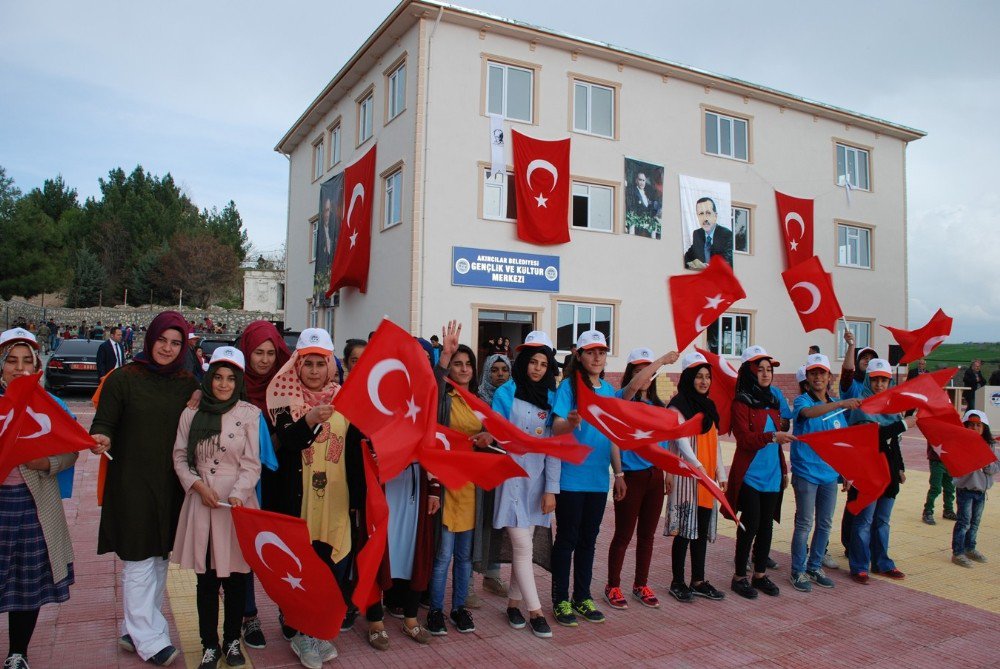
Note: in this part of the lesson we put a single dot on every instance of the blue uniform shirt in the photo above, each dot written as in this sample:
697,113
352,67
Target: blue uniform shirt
591,475
764,472
805,462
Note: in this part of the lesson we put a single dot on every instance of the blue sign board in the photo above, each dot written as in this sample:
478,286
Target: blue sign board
489,268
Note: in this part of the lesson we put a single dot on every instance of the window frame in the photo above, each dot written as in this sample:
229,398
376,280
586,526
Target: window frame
393,170
389,73
312,312
579,301
853,225
853,146
334,133
590,83
838,337
367,96
313,232
318,158
732,116
613,186
483,168
535,70
752,211
749,314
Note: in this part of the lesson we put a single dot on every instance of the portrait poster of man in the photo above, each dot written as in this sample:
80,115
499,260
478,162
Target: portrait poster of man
643,198
706,214
331,203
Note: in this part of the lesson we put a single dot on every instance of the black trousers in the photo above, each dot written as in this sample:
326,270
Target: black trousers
699,547
757,518
234,603
401,595
343,573
578,521
20,628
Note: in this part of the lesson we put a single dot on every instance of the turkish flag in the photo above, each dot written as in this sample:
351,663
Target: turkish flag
632,424
811,291
33,425
511,438
453,462
391,396
920,342
542,187
961,450
354,243
699,299
923,393
795,216
668,462
278,549
723,388
853,453
369,558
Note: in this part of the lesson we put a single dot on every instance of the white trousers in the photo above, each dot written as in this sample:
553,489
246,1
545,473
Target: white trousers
143,584
522,571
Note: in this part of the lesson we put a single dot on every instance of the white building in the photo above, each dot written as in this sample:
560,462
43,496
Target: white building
422,86
264,290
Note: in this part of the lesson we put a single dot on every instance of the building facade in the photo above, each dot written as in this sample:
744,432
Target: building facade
443,233
264,290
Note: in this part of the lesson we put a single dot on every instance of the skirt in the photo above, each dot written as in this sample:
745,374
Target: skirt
25,573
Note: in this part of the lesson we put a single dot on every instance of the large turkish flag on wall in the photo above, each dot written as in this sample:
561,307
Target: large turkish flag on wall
542,187
795,216
354,243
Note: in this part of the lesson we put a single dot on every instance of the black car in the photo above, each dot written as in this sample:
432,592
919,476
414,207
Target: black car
73,365
210,342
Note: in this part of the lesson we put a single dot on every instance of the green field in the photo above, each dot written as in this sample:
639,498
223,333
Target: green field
951,355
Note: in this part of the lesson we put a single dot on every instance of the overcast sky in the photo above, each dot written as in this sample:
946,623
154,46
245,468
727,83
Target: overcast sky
204,90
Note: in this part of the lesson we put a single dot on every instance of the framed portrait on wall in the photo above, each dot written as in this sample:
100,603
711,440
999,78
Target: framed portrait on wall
643,199
706,213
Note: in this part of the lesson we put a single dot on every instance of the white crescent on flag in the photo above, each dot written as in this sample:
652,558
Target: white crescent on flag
539,164
6,421
842,444
270,538
598,413
44,424
380,369
916,396
359,191
932,343
793,216
440,436
813,291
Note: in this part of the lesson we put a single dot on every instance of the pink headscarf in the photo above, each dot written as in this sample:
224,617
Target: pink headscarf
287,393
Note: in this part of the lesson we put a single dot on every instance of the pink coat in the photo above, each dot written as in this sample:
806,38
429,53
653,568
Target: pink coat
232,472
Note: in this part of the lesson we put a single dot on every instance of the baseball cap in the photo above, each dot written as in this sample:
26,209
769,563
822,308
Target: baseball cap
535,339
640,356
591,339
879,367
228,354
800,374
817,360
693,359
18,334
866,349
755,353
975,415
194,335
314,341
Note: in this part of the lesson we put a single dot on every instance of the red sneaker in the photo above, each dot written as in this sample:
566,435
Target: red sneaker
615,597
646,595
893,574
861,577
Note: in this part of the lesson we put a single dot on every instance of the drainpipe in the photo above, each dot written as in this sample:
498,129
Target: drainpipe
423,213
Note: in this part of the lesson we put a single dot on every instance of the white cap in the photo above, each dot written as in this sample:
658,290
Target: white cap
314,340
976,413
640,355
194,335
536,338
19,334
591,339
228,354
755,353
800,374
879,367
817,360
692,359
866,349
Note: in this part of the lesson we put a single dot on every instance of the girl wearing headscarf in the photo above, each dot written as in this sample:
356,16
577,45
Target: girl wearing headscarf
136,420
265,352
217,457
524,505
870,530
36,555
692,512
759,473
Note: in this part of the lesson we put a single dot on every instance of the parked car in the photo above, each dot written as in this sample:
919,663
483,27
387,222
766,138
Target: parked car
210,342
73,365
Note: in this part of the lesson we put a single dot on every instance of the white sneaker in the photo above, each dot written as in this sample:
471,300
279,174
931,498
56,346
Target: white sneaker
325,649
304,648
829,562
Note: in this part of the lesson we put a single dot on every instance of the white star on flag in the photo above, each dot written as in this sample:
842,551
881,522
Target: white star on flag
794,245
354,237
412,409
641,434
541,199
939,449
713,302
296,583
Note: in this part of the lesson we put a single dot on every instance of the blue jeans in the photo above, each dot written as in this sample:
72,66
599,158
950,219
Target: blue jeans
812,500
969,507
870,537
459,546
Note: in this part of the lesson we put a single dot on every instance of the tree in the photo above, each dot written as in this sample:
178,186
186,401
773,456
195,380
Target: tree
227,227
9,195
54,198
200,265
88,279
32,257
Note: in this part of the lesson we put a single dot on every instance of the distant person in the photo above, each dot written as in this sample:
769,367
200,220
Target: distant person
917,370
42,334
710,239
974,380
110,354
639,200
971,493
436,343
568,359
814,349
82,332
995,378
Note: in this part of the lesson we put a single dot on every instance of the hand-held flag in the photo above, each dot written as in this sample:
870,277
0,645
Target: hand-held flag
369,558
697,300
854,454
723,388
810,288
961,450
920,342
923,393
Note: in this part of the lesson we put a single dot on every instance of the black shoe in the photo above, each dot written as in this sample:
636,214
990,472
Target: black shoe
771,564
765,585
16,661
540,627
253,635
681,592
435,623
706,590
125,643
165,656
395,611
210,658
949,515
287,632
742,587
234,654
462,620
349,618
515,619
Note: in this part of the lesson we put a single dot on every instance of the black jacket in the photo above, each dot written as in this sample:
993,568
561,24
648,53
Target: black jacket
106,360
722,245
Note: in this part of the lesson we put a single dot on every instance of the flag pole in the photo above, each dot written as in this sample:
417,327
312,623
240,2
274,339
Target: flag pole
108,455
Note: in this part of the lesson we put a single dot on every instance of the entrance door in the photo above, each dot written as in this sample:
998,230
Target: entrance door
495,325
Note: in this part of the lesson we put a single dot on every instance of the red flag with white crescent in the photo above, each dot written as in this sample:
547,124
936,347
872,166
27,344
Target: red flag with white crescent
668,462
853,453
961,450
795,216
811,291
354,243
924,393
369,559
723,388
920,342
542,188
697,300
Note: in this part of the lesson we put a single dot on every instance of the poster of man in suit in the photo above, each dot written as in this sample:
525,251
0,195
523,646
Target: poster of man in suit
331,202
705,206
643,198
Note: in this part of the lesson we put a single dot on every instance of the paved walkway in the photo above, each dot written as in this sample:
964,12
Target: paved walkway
940,616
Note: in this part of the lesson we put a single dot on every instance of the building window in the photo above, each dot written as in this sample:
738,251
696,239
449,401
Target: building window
499,203
726,136
741,229
366,112
318,165
852,166
593,109
313,231
729,335
397,91
328,319
393,200
509,91
335,145
854,246
593,206
313,313
281,296
862,331
575,318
